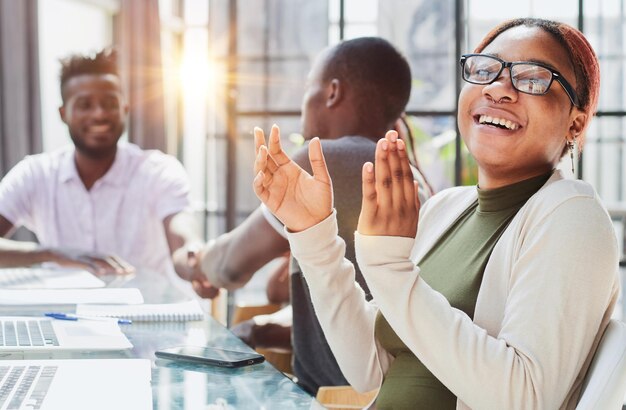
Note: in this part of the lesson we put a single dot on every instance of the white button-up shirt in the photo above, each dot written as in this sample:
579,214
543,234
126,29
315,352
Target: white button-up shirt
121,214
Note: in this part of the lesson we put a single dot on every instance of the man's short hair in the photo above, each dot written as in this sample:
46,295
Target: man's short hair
103,62
377,73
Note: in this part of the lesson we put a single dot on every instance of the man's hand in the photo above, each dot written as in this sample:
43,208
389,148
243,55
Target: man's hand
390,205
187,266
99,264
298,199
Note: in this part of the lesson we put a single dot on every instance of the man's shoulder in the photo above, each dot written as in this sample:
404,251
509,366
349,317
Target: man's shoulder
161,174
348,152
151,160
53,156
348,143
344,156
45,163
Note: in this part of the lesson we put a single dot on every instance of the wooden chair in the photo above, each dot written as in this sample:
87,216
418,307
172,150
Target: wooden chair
219,306
279,358
245,312
344,397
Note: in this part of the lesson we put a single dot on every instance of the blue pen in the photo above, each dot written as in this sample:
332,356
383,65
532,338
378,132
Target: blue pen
71,316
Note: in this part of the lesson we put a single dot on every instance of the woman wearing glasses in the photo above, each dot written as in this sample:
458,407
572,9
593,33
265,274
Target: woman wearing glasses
499,298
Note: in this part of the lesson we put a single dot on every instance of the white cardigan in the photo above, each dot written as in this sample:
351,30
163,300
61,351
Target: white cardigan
547,293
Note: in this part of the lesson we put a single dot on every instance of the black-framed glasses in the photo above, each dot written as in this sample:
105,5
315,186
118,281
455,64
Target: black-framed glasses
526,76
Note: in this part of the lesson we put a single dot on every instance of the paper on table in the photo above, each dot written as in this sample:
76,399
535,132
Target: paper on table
164,312
48,278
129,296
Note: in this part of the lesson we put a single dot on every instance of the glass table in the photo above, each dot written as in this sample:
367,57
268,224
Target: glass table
178,385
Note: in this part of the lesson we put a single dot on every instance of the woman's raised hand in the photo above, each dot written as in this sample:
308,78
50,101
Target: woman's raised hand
298,199
390,206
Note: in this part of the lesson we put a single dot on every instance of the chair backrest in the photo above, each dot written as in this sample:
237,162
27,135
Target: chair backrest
605,384
245,312
344,397
279,358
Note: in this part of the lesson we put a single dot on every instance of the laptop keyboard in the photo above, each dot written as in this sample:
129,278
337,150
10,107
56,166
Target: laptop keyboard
20,333
18,381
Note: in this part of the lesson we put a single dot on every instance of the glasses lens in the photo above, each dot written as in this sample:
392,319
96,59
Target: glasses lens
530,78
481,69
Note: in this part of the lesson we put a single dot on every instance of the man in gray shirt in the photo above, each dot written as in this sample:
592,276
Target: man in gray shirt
355,92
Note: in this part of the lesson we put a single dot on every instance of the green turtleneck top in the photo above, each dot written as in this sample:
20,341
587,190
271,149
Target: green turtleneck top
454,267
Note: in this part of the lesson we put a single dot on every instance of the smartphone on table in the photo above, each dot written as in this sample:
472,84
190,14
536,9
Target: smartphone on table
210,355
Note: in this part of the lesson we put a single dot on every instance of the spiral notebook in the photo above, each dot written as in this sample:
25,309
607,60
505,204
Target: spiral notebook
164,312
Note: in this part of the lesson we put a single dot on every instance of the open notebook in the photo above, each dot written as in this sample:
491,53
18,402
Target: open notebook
164,312
63,384
37,302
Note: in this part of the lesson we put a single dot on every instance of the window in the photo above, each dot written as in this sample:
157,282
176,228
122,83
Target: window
67,27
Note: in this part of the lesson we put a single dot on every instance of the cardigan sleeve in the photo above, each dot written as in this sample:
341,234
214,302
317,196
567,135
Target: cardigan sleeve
345,316
561,285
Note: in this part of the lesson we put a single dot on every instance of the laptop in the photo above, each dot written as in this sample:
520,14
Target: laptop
21,335
62,384
48,278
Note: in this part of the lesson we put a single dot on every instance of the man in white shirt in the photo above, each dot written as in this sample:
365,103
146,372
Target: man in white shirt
101,205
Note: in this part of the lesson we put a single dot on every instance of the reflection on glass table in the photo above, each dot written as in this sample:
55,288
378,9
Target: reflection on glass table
179,385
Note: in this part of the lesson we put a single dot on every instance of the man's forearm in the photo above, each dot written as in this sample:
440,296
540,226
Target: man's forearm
17,253
232,259
181,230
226,268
